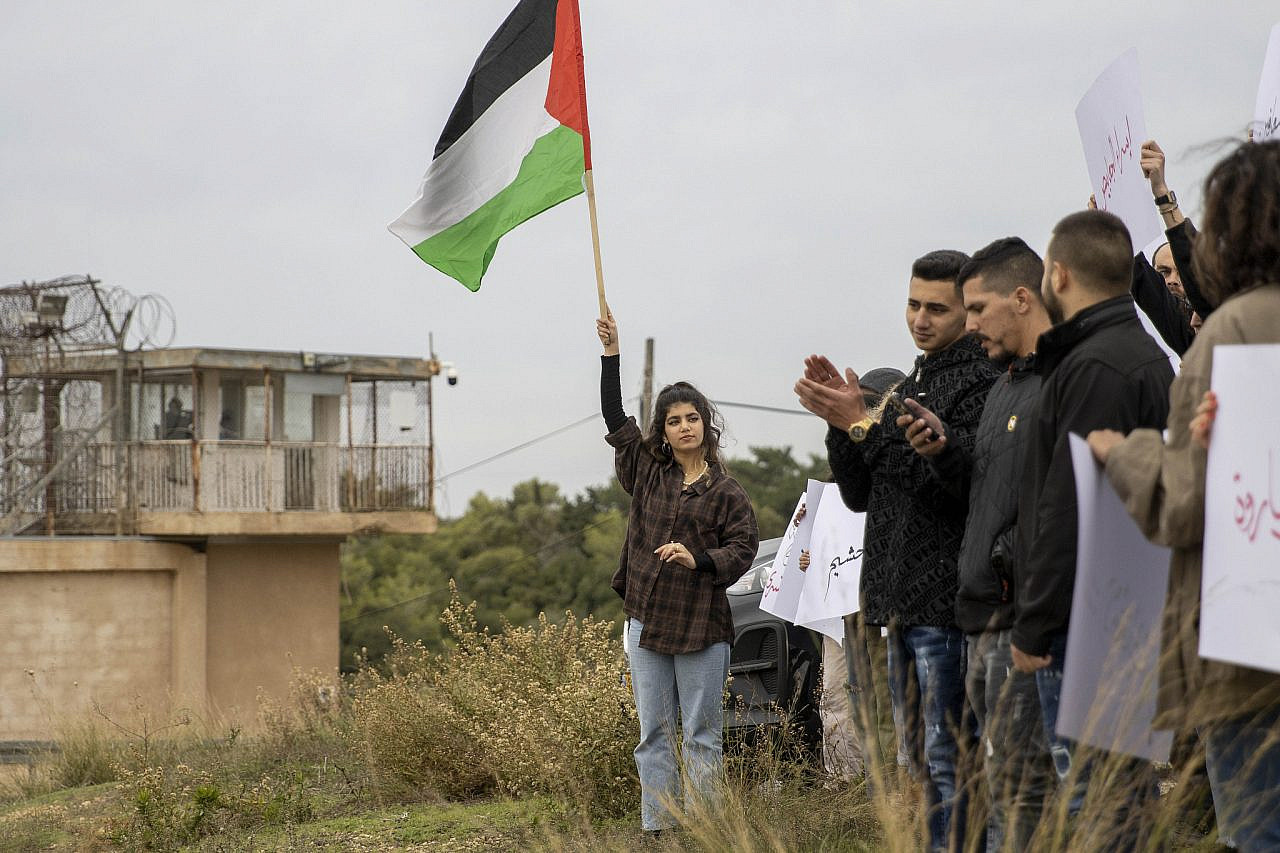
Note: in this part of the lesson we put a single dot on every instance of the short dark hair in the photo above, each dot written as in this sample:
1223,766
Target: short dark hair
1239,242
1096,247
1005,265
939,265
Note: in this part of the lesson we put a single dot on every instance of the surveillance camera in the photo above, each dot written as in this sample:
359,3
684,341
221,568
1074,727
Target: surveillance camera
451,373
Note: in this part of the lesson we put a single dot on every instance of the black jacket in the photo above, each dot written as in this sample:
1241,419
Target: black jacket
1100,370
1169,314
990,475
1181,237
915,520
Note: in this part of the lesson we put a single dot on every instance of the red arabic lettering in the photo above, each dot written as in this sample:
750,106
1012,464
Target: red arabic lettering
1120,150
1250,513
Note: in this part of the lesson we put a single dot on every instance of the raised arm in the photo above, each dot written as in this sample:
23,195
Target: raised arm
631,461
610,382
1177,228
1162,306
1152,163
1181,237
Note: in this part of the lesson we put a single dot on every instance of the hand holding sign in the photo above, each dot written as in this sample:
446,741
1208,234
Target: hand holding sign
786,581
1201,425
1113,644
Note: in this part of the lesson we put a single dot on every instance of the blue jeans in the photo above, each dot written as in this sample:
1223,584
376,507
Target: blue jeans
693,684
933,705
1062,749
1020,774
1242,756
1132,782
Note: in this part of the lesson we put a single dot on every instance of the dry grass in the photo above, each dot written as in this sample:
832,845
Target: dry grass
514,741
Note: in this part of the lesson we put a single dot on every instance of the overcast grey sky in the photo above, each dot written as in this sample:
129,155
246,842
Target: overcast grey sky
766,173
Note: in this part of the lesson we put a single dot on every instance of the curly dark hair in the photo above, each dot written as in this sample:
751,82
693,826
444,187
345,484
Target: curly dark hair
712,422
1238,247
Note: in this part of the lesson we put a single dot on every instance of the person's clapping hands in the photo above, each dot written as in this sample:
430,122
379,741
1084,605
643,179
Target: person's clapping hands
836,399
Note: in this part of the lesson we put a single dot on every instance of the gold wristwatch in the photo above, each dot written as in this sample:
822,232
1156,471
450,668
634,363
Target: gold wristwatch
859,429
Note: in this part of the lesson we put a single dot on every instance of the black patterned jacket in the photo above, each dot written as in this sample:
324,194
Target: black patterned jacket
915,519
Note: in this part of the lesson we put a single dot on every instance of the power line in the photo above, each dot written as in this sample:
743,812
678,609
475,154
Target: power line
518,447
758,408
376,610
523,445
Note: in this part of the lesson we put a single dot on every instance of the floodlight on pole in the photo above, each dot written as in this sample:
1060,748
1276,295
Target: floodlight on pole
50,309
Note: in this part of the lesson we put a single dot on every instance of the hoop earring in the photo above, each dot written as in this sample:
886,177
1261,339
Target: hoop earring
666,447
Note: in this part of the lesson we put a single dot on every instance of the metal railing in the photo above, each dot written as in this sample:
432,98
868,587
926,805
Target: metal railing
229,476
254,476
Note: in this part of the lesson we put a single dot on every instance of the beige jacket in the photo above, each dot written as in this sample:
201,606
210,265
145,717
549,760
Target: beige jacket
1162,486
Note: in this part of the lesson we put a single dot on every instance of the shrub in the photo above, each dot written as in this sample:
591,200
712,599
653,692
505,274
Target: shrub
537,709
165,808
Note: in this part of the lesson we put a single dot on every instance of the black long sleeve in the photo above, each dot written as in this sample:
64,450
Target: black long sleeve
1180,238
1164,309
611,393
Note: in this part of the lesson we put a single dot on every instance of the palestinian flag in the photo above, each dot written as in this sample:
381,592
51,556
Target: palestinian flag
515,144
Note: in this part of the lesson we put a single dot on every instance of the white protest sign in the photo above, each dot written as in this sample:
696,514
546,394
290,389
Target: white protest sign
835,567
1112,130
1240,593
1266,111
1113,643
785,582
770,599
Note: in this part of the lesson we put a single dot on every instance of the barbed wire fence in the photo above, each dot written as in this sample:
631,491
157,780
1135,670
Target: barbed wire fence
57,454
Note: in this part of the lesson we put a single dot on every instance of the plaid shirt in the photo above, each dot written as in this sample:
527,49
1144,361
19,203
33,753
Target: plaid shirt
683,610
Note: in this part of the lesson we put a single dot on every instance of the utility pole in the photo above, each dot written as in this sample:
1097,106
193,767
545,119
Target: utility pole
646,394
431,426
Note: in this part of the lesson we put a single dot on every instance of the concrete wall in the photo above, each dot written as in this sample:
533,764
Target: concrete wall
135,624
271,608
114,622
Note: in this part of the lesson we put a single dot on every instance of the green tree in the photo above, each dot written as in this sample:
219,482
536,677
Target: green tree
536,552
774,480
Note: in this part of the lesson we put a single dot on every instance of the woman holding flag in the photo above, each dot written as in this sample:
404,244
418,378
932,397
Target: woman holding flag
691,532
